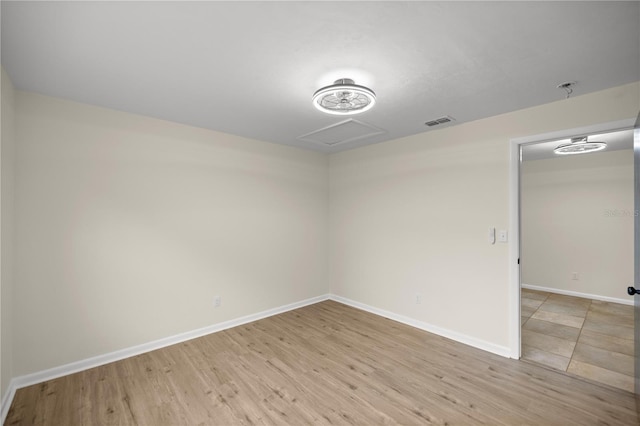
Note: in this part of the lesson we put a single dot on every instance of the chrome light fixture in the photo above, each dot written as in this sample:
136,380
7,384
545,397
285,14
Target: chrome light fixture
579,146
344,97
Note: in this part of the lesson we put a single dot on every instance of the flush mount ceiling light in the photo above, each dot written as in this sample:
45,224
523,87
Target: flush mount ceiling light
579,146
344,97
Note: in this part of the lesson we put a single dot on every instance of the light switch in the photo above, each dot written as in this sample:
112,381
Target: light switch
503,236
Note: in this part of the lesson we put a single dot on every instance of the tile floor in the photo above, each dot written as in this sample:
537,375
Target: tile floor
585,337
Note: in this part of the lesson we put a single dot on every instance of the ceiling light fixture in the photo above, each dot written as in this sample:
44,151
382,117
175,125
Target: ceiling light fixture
344,97
579,146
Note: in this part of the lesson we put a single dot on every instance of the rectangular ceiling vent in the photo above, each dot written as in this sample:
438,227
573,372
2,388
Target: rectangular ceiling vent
438,121
342,132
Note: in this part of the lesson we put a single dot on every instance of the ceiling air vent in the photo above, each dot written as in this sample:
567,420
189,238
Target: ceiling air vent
439,121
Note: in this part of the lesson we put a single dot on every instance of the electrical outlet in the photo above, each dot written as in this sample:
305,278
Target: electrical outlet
217,301
418,299
575,276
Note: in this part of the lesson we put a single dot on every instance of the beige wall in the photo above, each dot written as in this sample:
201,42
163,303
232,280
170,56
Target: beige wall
577,216
127,227
6,233
411,215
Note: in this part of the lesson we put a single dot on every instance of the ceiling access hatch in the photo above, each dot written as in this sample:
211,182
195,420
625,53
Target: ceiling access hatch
342,132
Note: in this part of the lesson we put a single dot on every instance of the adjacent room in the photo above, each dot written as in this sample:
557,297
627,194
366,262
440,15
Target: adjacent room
276,212
577,254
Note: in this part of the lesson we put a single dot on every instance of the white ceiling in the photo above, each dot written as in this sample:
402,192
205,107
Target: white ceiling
250,68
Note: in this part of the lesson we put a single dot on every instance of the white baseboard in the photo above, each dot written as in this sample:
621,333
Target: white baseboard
85,364
628,301
453,335
7,400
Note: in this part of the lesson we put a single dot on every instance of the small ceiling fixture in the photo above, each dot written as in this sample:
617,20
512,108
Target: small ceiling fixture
567,86
344,97
579,146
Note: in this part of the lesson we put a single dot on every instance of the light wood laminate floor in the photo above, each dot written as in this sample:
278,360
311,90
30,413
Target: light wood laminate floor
588,338
324,364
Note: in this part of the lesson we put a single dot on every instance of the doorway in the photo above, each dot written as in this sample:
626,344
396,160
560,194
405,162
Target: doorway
570,229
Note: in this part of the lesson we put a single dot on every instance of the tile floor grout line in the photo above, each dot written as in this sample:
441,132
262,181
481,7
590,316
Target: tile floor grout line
579,334
534,312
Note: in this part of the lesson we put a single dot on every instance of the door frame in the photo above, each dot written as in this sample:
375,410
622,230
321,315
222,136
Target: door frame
514,212
636,259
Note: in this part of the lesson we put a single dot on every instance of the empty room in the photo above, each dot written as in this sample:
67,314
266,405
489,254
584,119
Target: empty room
236,213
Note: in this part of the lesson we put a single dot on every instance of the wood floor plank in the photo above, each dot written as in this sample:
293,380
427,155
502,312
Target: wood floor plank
322,364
